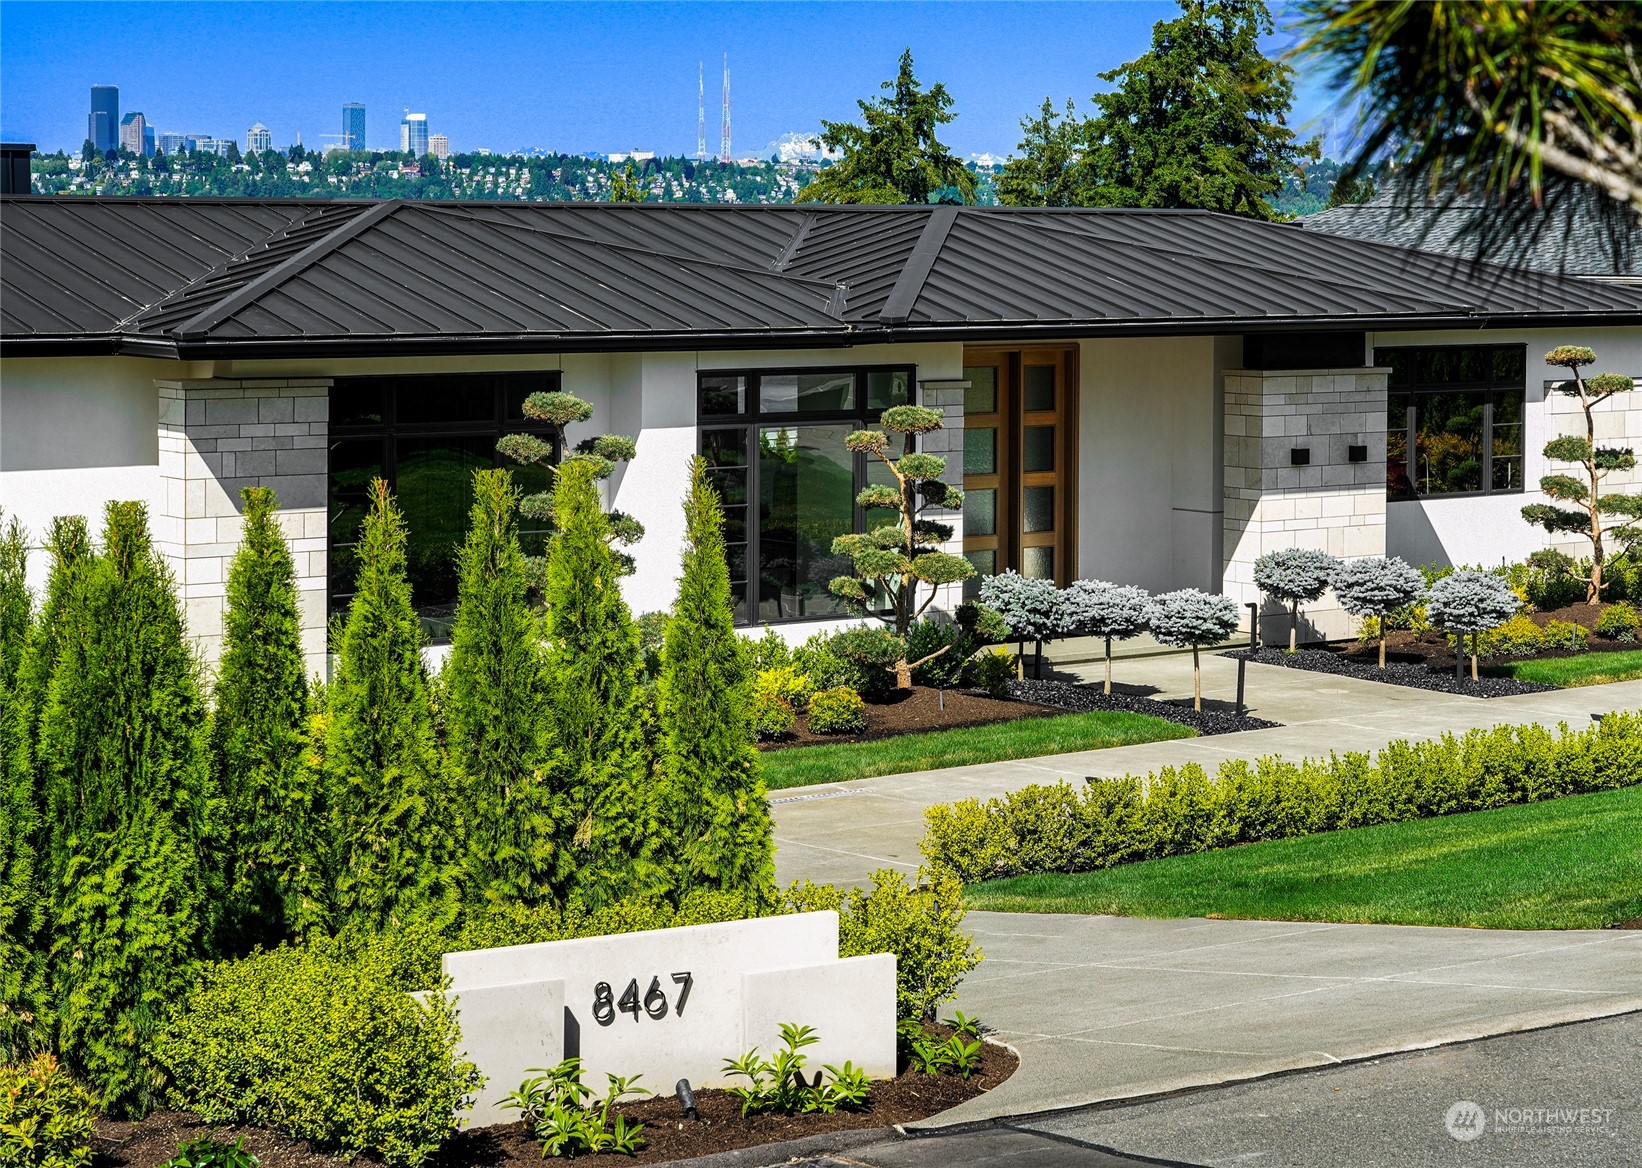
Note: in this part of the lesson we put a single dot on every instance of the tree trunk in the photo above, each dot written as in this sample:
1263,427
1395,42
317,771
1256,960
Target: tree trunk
1020,661
1294,624
1197,683
1459,657
1037,661
1474,637
903,674
1108,665
1382,644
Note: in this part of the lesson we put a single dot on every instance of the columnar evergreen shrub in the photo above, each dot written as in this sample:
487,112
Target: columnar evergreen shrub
122,751
1376,587
388,805
1469,603
1293,576
1030,607
1190,617
493,686
1174,811
595,708
258,735
1098,608
16,606
714,813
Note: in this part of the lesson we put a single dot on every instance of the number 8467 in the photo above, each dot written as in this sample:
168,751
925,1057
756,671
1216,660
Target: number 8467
654,1002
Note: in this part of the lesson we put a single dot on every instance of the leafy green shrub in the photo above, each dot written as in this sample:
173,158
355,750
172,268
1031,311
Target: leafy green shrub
1175,811
929,1054
777,1084
1618,622
873,653
1517,637
837,711
773,716
929,638
769,651
1567,636
209,1152
921,924
1549,579
786,683
558,1110
992,671
320,1043
819,661
45,1116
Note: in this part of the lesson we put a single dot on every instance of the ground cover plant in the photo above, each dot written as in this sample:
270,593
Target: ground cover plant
1565,672
562,1114
1568,863
778,1084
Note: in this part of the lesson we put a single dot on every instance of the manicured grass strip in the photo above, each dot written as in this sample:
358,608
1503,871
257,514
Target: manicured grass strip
801,766
1561,864
1585,669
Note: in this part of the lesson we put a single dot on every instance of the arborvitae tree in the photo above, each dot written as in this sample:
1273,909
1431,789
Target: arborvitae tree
16,608
595,707
389,819
122,749
714,813
493,689
258,734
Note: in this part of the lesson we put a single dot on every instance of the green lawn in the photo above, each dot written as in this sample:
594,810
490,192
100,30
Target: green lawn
1585,669
1562,864
801,766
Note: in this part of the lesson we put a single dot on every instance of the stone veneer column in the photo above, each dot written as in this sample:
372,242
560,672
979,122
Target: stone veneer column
948,443
1332,504
217,436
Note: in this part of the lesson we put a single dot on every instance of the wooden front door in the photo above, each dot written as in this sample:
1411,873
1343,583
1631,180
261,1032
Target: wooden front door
1020,458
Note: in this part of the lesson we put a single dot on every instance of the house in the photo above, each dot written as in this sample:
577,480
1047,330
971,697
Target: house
1152,397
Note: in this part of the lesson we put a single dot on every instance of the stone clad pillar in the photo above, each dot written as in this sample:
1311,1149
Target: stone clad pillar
217,436
1334,501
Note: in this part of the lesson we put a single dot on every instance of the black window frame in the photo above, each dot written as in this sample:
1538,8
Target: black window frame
1409,393
390,431
751,419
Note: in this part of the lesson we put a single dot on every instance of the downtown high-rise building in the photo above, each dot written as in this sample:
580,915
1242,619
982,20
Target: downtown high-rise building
131,133
413,134
439,146
353,126
258,138
103,125
172,142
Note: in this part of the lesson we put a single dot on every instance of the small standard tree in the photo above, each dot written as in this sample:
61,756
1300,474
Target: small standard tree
1294,576
1578,504
1031,608
1098,608
1377,587
1469,604
258,734
599,453
1190,617
714,812
894,562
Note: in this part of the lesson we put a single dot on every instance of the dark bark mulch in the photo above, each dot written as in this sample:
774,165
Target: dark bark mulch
668,1135
1214,718
918,710
1633,923
1365,667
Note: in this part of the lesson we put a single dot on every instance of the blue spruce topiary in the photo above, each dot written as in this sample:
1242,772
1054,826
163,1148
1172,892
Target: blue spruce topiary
1377,587
1293,575
1190,617
1470,602
1098,608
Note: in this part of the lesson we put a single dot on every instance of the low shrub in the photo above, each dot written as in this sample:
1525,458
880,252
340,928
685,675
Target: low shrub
1567,636
837,711
210,1152
777,1083
1618,622
1549,580
773,717
927,1053
561,1114
790,685
873,653
818,661
1057,828
991,671
321,1043
1517,637
928,638
45,1116
767,652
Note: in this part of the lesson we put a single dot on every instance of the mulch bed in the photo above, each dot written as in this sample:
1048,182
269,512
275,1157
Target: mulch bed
1214,718
1633,923
918,710
668,1135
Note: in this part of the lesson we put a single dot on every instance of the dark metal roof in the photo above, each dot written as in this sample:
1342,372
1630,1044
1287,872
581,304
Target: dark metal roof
203,278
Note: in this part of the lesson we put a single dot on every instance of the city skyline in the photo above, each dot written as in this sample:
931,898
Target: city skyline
998,61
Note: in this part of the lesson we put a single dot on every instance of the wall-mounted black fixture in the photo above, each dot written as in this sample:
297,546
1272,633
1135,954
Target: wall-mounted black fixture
1356,454
1300,456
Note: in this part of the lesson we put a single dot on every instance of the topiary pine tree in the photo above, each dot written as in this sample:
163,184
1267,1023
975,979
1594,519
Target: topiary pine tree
1030,607
1190,617
122,747
893,561
493,689
1585,502
1293,575
1470,602
258,734
595,707
714,812
1377,587
1096,608
390,849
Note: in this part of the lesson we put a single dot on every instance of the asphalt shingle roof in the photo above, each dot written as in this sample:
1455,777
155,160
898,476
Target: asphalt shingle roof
201,278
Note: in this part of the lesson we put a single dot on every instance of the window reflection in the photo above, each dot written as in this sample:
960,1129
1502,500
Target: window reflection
1454,419
806,499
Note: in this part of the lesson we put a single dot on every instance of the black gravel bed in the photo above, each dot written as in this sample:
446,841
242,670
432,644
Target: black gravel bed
1414,675
1083,699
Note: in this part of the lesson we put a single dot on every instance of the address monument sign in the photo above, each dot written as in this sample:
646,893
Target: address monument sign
670,1004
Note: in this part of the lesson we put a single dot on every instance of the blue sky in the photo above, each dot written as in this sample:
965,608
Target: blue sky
562,76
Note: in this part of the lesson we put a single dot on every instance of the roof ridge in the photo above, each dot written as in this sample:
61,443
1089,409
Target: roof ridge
910,283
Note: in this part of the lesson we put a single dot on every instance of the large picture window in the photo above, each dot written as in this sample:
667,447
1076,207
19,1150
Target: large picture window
1454,424
774,440
425,434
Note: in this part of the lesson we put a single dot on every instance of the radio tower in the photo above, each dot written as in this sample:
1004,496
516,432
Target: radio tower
724,134
701,114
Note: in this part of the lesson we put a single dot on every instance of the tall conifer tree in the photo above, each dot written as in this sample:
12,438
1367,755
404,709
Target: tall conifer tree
16,608
258,733
122,750
715,815
390,826
595,707
493,699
